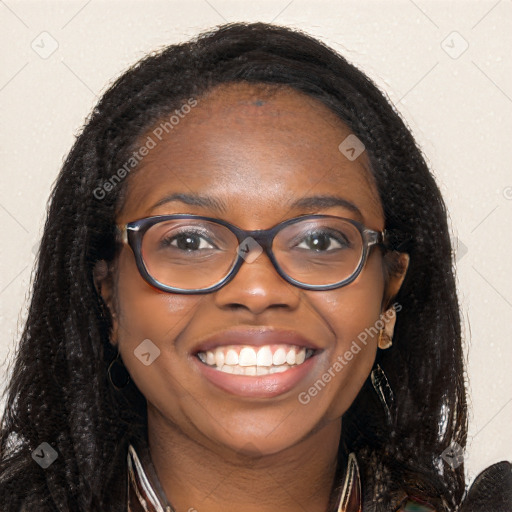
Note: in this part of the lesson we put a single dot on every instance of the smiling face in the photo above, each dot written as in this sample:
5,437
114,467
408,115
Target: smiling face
255,159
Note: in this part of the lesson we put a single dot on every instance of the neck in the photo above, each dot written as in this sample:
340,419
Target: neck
195,477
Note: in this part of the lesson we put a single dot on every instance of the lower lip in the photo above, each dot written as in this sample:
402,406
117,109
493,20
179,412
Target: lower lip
260,386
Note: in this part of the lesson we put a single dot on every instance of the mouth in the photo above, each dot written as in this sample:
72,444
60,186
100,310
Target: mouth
253,361
256,362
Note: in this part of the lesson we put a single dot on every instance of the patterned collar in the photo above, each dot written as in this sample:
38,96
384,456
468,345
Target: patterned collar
145,493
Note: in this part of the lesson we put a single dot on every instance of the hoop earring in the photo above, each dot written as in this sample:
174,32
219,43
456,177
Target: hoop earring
118,374
381,386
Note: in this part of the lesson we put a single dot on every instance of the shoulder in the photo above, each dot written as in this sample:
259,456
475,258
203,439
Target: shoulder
491,490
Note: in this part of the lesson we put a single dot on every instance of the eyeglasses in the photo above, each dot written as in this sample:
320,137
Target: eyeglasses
191,254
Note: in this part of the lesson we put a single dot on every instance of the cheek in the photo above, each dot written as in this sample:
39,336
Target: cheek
355,307
352,313
144,310
149,322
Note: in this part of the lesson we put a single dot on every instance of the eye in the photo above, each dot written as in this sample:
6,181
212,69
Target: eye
322,241
187,241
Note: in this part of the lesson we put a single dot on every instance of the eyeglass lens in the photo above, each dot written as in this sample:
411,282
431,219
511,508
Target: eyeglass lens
195,254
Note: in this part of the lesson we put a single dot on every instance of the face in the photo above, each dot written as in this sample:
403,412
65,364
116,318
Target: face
254,155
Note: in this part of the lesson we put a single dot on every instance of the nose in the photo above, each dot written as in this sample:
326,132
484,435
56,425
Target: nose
257,286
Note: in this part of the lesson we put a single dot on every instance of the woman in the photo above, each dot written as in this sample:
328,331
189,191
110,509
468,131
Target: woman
244,299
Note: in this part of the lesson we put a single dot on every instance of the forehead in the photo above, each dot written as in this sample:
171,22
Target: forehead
256,151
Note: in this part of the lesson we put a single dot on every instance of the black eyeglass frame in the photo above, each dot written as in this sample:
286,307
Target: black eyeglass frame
133,232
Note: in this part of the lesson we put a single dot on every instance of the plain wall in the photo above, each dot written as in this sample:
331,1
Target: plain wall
456,100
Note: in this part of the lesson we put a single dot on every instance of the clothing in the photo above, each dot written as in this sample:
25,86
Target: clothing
145,492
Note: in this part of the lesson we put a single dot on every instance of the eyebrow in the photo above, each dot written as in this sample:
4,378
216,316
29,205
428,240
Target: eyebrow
326,202
309,203
193,200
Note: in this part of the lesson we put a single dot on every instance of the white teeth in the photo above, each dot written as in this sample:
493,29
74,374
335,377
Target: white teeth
279,357
290,357
231,357
253,370
247,357
219,358
248,360
279,369
264,357
250,370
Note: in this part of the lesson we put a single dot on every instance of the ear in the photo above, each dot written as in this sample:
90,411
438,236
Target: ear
104,283
397,264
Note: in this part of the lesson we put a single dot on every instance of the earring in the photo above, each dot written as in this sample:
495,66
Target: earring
350,498
381,386
118,374
385,341
386,333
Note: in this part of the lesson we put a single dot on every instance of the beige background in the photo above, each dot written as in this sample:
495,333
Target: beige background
457,101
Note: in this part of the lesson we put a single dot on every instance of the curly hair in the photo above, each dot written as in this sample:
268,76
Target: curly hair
59,392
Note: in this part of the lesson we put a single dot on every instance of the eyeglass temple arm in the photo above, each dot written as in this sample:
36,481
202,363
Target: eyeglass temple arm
396,240
122,232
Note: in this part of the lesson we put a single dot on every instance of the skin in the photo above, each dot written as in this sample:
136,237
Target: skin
255,153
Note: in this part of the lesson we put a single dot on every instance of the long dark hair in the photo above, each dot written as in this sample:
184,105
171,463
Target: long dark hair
59,392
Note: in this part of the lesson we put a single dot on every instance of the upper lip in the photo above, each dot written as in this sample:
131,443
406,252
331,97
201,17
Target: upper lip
255,337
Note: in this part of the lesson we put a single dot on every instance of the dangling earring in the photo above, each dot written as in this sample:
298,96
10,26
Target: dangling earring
386,333
381,386
350,499
118,374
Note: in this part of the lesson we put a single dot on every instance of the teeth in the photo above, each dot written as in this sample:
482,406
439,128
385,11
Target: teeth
219,358
210,357
253,370
231,357
247,357
279,369
264,357
279,357
250,370
248,360
238,370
